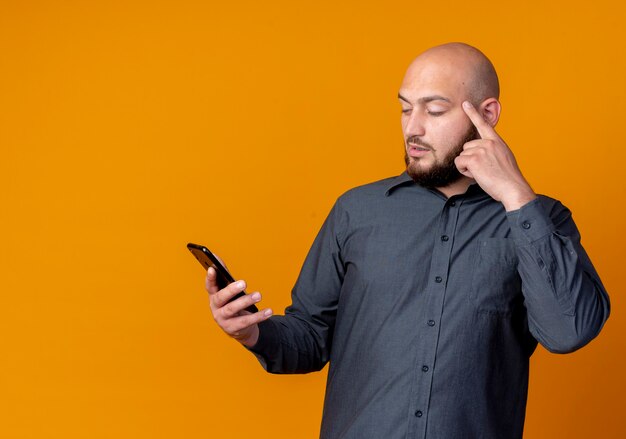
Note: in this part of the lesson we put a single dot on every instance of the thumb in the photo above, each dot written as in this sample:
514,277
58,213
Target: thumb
210,281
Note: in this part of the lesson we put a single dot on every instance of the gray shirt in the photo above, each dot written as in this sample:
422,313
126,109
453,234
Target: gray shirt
428,309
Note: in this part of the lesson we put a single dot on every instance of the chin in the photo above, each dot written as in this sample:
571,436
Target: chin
417,167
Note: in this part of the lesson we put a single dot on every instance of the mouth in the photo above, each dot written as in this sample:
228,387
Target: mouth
417,150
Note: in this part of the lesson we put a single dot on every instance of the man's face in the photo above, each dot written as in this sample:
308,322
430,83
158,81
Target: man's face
434,125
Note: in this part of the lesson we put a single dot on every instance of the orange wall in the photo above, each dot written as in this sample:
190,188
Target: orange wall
128,128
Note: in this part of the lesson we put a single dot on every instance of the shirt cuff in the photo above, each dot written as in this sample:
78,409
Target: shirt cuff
530,222
266,345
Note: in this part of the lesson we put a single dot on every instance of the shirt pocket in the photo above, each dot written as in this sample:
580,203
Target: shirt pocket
496,284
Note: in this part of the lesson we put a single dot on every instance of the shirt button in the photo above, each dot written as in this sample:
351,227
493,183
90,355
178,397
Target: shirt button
418,414
424,368
526,225
431,323
444,238
438,279
453,203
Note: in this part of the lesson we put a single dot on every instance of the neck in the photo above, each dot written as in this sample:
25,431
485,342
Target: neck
457,188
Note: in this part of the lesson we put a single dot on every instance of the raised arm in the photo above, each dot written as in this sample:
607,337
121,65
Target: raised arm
566,301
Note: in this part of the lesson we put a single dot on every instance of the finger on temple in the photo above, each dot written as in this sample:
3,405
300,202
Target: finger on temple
484,129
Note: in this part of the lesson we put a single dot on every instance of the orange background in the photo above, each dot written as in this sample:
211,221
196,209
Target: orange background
128,129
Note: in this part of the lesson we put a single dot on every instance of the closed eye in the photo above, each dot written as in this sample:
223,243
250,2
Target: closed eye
435,113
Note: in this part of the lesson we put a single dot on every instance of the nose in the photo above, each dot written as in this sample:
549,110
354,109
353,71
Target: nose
412,124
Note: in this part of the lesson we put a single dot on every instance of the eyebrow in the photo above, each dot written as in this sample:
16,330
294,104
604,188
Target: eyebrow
425,99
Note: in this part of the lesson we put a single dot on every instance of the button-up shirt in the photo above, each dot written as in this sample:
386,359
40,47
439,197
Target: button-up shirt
429,308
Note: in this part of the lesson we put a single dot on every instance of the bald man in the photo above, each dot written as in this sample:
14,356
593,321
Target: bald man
428,292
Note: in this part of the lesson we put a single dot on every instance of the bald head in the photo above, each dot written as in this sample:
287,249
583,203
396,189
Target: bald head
464,67
436,128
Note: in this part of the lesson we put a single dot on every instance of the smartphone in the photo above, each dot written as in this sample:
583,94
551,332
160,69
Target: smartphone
208,259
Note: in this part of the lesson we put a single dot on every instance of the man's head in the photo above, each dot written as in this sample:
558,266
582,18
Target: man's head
434,125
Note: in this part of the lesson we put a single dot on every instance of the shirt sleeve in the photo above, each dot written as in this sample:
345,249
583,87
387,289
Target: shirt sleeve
566,302
300,341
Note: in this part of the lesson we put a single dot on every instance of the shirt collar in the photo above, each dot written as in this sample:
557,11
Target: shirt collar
401,179
474,190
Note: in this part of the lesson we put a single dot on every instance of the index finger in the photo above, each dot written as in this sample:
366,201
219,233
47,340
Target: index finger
485,130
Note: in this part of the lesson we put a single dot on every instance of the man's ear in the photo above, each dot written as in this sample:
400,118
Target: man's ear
490,109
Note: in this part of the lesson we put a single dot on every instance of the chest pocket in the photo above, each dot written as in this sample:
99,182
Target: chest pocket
496,285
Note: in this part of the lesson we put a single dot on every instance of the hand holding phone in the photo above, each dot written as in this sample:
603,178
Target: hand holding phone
223,276
233,310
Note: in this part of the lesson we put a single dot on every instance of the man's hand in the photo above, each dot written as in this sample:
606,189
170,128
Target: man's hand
232,317
491,163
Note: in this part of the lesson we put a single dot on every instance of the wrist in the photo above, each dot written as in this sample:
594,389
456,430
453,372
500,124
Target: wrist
518,199
252,338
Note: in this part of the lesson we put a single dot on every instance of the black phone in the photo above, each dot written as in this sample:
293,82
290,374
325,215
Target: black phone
208,259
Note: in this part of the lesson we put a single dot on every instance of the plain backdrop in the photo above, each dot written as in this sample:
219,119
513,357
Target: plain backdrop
129,128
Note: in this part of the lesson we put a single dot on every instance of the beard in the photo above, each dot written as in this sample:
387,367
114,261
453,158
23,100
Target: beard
443,172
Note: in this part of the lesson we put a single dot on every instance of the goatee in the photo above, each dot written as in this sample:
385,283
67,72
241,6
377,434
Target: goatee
443,172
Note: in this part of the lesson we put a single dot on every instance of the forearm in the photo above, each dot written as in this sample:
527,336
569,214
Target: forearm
300,341
566,302
287,344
